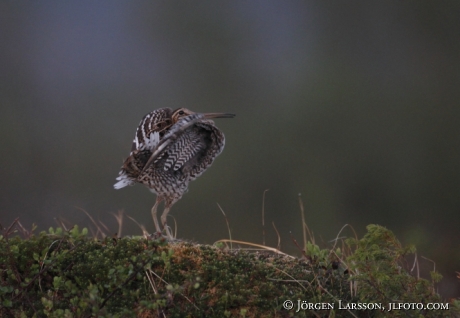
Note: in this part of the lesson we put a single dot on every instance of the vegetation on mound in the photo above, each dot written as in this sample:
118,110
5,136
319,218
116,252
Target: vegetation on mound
69,274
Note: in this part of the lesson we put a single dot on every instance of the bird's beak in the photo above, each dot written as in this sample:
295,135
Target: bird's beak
218,115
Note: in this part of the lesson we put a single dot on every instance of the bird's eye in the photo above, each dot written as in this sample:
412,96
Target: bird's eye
181,112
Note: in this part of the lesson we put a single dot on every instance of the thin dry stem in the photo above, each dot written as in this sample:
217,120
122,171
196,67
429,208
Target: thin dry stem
337,237
175,226
104,226
151,281
144,231
263,216
61,223
262,247
228,226
434,270
278,234
161,278
119,218
99,230
304,225
416,266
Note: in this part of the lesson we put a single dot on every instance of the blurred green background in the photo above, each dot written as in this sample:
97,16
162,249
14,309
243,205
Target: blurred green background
353,104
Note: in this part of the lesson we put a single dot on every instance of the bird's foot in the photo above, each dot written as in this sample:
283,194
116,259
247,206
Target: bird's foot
156,235
159,235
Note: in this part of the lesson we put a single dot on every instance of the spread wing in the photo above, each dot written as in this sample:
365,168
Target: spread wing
188,145
215,142
195,150
172,135
191,144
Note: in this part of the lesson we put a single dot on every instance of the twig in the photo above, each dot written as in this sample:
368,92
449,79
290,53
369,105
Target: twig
228,226
119,218
99,230
278,234
263,216
256,245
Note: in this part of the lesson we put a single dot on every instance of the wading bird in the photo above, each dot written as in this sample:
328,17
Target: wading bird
170,149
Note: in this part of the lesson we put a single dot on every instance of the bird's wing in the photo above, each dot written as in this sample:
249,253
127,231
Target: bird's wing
173,134
188,145
215,142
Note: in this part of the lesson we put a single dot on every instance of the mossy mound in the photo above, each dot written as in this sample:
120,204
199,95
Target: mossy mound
69,274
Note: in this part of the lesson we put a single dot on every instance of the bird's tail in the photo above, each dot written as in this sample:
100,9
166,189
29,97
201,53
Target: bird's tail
123,180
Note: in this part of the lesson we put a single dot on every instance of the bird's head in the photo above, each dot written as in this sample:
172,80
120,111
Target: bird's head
184,112
180,113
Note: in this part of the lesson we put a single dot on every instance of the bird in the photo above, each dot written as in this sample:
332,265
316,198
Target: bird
170,149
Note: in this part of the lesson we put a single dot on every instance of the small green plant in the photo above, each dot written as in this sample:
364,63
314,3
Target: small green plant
380,274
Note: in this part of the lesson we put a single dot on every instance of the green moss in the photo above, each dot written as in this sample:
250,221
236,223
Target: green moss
68,274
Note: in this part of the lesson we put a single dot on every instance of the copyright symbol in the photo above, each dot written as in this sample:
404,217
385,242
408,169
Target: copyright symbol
288,304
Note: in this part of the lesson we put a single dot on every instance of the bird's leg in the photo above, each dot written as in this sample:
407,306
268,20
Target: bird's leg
154,213
168,205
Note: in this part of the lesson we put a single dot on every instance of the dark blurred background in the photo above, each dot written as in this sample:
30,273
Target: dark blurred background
353,104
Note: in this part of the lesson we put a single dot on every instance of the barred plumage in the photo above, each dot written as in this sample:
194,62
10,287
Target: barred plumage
170,149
